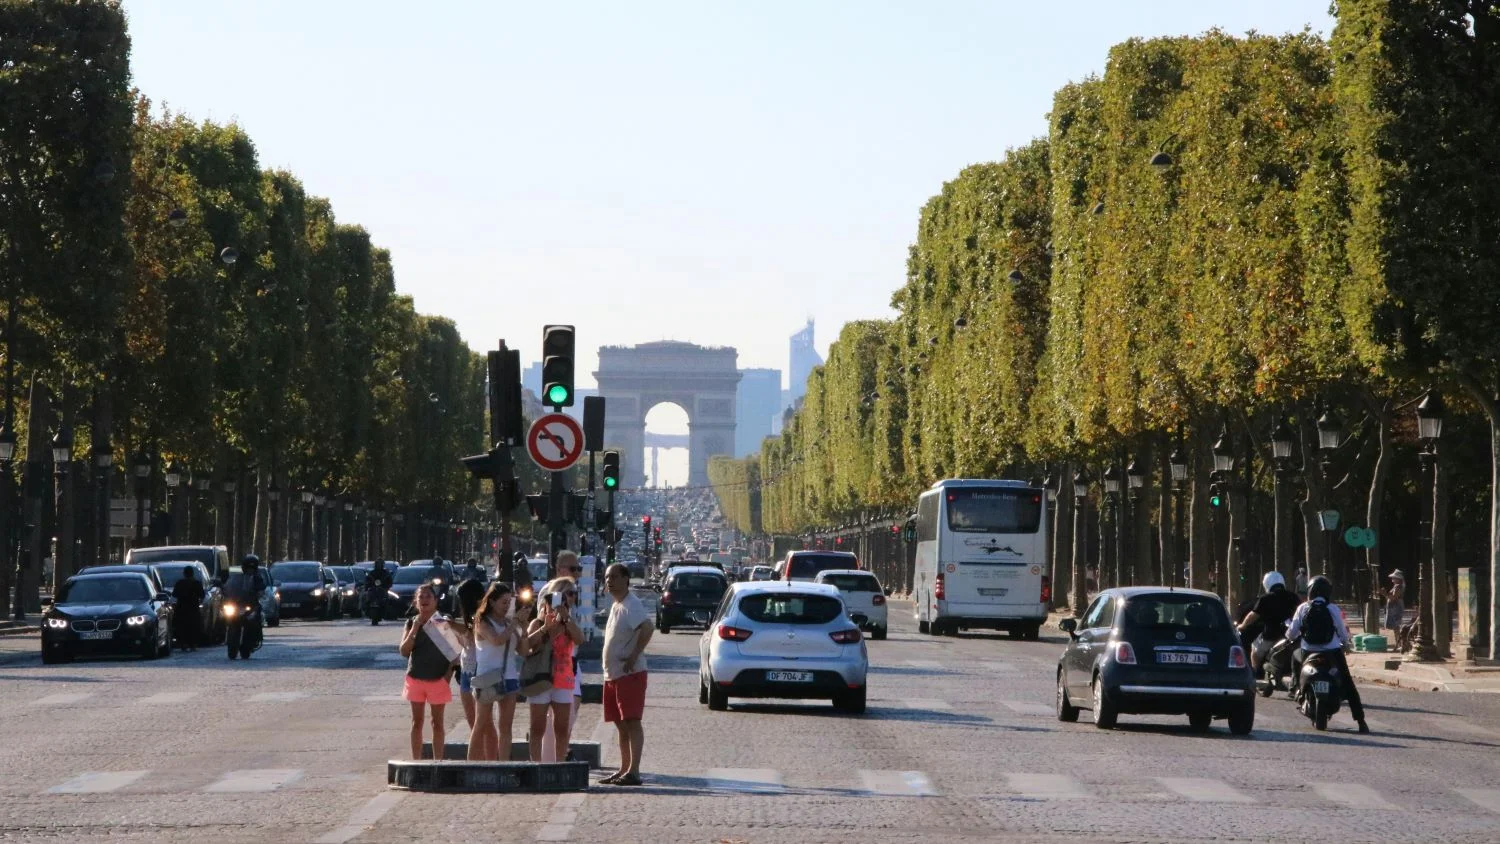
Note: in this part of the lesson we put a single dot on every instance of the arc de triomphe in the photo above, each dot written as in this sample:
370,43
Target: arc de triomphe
700,380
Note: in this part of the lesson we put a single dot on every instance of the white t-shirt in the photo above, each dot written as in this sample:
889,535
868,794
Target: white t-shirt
489,654
621,634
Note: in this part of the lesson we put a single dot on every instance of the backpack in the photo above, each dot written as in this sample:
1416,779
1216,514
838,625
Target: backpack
1317,627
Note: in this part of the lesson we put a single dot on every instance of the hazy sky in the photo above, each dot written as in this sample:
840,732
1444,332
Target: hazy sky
705,171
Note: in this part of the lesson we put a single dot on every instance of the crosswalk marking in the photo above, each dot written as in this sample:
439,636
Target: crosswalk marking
1351,794
1484,798
97,782
917,703
1046,786
364,816
277,697
746,780
1027,708
1204,790
897,783
168,697
255,779
62,699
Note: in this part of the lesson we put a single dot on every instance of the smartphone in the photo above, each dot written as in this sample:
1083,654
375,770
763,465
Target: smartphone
555,599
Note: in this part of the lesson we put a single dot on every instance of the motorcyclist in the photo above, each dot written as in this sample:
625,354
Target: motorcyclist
472,571
1265,624
1319,601
379,577
245,587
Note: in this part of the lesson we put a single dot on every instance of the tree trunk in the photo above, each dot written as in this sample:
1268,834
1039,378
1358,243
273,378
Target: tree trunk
1144,569
1080,558
1382,411
27,598
1062,541
1169,568
1442,622
1316,499
1489,402
1200,520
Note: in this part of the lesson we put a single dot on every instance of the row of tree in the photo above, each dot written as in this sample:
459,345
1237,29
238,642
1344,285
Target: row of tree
1218,234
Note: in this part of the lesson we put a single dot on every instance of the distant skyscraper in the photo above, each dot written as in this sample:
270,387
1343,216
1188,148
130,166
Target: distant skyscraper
804,358
757,404
531,379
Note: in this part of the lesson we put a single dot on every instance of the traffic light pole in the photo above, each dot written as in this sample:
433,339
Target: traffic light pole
557,520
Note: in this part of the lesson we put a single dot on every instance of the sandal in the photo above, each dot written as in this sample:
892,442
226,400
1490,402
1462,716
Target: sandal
611,779
628,779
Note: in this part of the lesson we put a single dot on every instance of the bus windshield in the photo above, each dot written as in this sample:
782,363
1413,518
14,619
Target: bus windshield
994,510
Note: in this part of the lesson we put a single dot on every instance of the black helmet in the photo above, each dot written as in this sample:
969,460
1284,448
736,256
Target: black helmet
249,561
1320,587
380,565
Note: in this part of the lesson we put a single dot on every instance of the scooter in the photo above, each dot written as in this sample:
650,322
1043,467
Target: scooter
1276,666
375,598
1320,689
243,628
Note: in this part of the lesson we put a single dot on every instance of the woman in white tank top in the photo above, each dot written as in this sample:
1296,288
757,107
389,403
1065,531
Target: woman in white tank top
497,674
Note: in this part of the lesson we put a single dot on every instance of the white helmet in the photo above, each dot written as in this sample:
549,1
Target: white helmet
1272,579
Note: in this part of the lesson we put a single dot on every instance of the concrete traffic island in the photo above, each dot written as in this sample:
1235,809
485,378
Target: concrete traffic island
486,777
587,752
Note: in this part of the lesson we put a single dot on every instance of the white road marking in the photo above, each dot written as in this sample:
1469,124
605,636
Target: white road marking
1352,794
169,697
897,783
277,697
97,782
1484,798
255,779
62,699
929,664
1046,786
1204,790
1027,708
746,780
363,818
559,826
918,703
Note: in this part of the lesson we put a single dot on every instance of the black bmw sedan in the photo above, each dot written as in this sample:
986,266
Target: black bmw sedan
307,589
107,614
1156,650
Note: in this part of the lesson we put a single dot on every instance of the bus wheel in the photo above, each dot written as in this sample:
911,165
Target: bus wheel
923,627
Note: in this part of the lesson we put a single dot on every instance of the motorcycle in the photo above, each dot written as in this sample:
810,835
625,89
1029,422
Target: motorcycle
1320,690
243,628
1275,666
375,598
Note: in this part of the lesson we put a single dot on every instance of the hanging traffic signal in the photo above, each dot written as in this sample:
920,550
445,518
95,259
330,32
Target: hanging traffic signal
611,470
557,365
1216,495
646,524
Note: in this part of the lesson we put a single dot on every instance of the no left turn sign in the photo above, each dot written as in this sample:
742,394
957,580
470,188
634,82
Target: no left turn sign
555,442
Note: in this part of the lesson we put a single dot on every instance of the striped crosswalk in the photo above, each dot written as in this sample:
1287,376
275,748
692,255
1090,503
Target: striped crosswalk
240,781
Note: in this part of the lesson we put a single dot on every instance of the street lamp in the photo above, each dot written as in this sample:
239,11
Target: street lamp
7,443
173,476
1079,597
62,449
140,467
103,459
1224,452
1330,432
1178,471
1112,501
1282,440
1429,430
62,456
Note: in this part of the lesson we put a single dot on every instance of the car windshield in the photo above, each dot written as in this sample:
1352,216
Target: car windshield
699,583
92,590
170,573
1175,612
538,569
147,556
415,574
295,573
994,510
343,573
852,582
791,609
808,565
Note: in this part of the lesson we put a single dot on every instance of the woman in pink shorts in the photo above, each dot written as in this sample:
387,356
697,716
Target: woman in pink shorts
427,671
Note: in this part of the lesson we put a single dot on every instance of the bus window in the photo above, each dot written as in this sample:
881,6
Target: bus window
994,510
927,518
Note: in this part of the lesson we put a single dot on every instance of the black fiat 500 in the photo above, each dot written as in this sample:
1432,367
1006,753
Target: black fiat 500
1159,651
107,614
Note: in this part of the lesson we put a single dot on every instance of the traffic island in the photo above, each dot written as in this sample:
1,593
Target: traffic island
587,752
486,777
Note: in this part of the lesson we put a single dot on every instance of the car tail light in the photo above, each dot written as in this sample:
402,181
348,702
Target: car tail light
1236,657
937,588
666,598
733,634
878,600
845,637
1046,589
1124,653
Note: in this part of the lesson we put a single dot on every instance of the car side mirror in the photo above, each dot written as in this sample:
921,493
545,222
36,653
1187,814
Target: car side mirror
1069,626
163,596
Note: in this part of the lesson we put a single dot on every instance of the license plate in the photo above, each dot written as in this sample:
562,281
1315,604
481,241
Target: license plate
789,676
1182,658
699,617
97,634
1320,687
993,593
291,606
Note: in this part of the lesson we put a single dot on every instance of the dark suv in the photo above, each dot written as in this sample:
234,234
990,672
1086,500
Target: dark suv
689,595
805,565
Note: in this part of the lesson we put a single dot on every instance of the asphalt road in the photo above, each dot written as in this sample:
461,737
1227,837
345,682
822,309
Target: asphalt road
959,744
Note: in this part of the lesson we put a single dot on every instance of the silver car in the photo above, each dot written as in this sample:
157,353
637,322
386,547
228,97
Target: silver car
782,639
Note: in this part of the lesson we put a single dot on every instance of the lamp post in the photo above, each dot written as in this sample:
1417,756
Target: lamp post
1178,467
1282,440
62,459
1330,434
273,541
1429,430
104,460
1078,599
1111,478
307,502
229,486
140,467
1135,479
1223,451
346,533
203,481
1058,575
173,476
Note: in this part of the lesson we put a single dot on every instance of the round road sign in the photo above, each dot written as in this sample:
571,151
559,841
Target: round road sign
555,442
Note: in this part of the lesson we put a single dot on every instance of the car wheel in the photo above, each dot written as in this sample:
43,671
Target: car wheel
1066,711
852,701
718,698
1200,721
150,649
923,627
663,628
166,647
1242,718
878,633
702,690
1034,632
274,621
1105,713
51,656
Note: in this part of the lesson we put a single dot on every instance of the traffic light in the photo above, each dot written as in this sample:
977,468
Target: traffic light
557,365
611,470
537,504
646,524
658,537
602,520
504,366
1216,495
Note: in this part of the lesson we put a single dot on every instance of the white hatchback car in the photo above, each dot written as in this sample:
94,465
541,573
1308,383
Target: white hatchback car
782,639
863,596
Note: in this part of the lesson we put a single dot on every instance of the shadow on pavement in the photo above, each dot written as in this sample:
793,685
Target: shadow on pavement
923,672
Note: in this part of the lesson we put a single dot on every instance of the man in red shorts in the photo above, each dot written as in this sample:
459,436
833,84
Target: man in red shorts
625,638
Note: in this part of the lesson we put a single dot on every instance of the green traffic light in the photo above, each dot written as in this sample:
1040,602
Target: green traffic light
1215,501
611,483
557,394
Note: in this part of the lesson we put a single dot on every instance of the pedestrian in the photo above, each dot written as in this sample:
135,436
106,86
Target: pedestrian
569,564
1302,582
498,681
1395,604
469,593
625,638
426,673
187,616
554,631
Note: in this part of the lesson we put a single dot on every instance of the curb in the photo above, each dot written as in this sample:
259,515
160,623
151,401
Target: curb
20,631
486,777
587,752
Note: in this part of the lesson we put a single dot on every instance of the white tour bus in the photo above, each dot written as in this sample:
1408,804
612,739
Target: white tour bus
981,558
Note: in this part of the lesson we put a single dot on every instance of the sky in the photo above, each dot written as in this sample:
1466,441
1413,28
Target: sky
704,171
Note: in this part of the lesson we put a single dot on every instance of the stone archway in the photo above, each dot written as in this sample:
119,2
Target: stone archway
701,380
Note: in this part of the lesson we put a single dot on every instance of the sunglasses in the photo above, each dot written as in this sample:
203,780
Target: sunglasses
574,569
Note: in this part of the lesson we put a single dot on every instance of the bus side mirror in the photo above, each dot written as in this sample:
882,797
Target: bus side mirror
1069,626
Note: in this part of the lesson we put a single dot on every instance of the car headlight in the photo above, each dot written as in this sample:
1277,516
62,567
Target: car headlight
57,623
318,593
348,593
137,620
437,581
229,610
277,595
